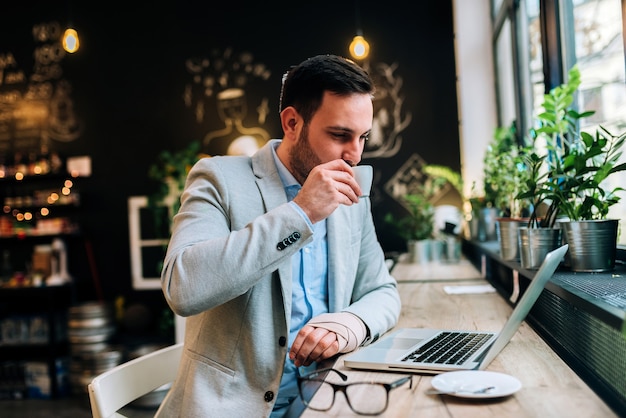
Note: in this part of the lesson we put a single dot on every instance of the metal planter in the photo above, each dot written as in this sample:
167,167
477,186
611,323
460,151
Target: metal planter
506,230
535,243
592,244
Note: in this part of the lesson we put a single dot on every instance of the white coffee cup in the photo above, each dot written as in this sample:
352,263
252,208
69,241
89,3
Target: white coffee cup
364,175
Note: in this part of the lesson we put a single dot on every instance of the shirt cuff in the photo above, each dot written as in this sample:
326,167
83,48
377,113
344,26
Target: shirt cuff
301,212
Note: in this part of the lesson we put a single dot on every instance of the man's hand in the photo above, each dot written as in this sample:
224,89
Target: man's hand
327,186
313,344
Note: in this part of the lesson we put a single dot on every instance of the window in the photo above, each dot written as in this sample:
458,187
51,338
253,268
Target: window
505,84
596,28
149,237
534,52
553,36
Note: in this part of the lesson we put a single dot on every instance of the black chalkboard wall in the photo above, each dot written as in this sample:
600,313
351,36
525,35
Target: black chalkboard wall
148,78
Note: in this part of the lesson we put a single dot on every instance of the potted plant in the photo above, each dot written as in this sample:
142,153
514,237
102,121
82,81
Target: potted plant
581,195
576,166
557,125
477,203
538,235
504,177
417,227
579,189
504,172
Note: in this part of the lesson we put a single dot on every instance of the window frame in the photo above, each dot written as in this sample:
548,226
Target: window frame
555,57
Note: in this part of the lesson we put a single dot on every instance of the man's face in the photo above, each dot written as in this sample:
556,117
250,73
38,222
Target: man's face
338,129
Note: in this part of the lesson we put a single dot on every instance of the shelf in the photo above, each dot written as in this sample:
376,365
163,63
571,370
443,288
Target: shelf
4,181
43,296
39,236
38,209
33,207
19,352
46,206
34,334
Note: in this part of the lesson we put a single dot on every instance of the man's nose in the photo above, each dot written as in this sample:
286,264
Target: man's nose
352,152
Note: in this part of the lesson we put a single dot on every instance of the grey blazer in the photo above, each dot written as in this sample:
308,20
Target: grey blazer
228,270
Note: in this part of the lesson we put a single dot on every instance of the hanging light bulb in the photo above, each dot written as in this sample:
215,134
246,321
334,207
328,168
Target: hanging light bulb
359,48
70,40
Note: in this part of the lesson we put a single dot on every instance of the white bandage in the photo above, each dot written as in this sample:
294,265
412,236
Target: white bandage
350,330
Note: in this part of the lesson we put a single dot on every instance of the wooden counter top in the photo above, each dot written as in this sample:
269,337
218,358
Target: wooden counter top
549,387
405,272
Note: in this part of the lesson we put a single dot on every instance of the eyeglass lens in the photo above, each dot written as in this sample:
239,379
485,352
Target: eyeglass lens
363,398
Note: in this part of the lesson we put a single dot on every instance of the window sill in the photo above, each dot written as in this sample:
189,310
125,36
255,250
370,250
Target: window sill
601,294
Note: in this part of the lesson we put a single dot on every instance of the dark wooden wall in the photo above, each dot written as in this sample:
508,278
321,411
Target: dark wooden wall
128,85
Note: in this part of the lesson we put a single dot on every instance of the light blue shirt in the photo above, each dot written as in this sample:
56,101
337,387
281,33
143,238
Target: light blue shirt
309,288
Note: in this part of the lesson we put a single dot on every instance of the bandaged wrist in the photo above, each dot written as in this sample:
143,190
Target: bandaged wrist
350,329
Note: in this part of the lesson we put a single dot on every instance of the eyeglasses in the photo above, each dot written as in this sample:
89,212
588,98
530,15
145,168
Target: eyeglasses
364,398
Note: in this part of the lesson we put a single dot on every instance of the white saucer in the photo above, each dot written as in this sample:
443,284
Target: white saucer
460,383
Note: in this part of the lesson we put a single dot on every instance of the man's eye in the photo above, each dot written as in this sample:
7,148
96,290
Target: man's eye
342,136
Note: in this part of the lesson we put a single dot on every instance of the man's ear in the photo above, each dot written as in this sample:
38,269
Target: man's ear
289,119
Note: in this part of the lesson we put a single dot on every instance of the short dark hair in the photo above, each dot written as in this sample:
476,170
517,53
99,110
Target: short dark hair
304,85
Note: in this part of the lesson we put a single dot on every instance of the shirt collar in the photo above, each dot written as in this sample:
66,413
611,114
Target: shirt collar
285,176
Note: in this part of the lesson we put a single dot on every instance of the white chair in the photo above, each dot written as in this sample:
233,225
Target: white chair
114,389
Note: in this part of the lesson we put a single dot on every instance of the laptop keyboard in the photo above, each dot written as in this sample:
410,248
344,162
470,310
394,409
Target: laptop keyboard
449,348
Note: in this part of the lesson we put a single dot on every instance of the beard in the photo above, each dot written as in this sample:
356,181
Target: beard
302,157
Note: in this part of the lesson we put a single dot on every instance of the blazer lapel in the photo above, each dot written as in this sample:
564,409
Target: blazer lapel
273,194
267,178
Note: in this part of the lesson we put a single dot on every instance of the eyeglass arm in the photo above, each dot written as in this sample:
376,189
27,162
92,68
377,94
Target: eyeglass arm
400,382
316,373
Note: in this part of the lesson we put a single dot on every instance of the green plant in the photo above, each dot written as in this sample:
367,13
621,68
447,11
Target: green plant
504,173
578,186
477,200
444,174
170,171
571,172
418,225
470,205
558,124
534,193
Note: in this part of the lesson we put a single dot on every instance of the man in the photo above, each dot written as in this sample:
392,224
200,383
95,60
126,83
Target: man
269,284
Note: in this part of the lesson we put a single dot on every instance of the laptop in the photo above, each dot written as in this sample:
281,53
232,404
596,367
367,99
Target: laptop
417,350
